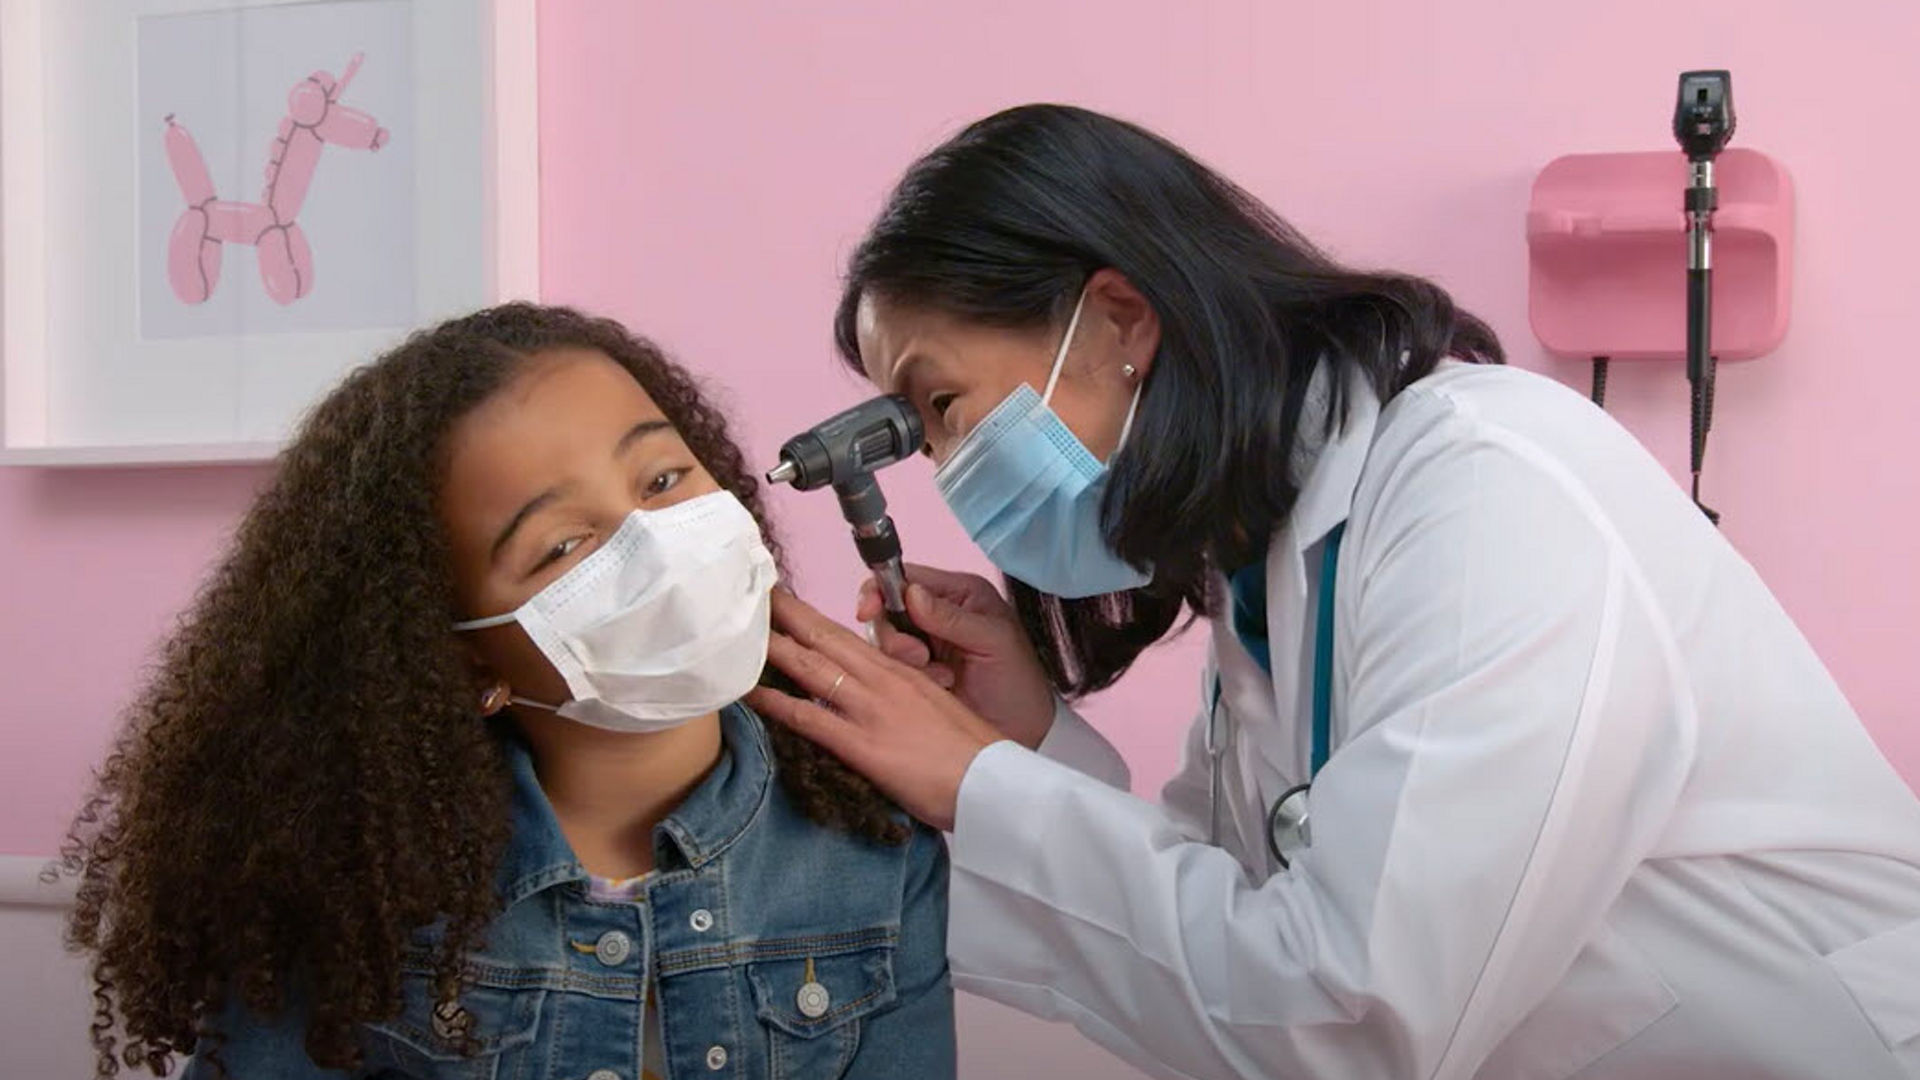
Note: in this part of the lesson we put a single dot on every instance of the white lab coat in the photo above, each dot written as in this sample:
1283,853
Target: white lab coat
1594,807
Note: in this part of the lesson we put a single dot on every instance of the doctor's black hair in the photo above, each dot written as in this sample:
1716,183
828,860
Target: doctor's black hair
1004,223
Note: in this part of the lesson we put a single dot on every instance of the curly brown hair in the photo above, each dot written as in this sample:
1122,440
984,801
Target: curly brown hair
306,780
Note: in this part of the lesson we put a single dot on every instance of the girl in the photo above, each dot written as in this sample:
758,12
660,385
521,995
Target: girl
443,775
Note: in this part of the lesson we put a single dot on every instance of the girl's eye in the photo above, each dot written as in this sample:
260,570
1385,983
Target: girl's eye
666,482
560,551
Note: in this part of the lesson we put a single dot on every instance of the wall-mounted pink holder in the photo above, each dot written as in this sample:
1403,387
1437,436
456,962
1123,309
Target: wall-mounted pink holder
1608,265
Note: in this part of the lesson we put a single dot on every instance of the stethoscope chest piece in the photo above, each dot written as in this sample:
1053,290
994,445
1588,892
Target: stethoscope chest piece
1288,832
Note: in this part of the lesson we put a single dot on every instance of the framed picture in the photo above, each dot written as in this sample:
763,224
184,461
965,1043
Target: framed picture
211,210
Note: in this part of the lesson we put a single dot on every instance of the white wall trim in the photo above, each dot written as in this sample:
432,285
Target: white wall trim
21,884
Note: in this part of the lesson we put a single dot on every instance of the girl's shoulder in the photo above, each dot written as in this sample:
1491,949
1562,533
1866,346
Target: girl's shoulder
784,845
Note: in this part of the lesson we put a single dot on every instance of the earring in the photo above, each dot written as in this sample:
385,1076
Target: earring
1129,371
493,699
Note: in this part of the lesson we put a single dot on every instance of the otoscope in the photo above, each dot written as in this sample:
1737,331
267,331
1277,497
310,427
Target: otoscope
1703,123
846,450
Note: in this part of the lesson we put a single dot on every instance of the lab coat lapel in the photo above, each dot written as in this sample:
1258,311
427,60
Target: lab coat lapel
1286,600
1326,499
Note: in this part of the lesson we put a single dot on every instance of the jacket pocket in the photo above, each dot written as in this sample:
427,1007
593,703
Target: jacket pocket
1883,975
1608,997
812,1008
468,1039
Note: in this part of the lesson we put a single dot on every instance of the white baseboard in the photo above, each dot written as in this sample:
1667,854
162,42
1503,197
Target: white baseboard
45,991
22,883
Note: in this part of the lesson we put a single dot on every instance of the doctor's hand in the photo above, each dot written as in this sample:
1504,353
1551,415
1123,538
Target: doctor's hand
887,720
980,649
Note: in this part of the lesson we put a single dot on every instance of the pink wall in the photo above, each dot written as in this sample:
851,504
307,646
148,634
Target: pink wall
707,166
753,147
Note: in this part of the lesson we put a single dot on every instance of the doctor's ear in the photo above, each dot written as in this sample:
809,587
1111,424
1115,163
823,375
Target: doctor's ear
1127,322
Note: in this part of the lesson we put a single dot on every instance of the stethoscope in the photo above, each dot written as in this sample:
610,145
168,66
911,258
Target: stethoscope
1288,826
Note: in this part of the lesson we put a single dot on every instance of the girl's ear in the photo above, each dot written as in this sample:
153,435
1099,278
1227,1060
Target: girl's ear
494,698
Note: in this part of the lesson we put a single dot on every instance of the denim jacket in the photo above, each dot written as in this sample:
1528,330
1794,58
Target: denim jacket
747,895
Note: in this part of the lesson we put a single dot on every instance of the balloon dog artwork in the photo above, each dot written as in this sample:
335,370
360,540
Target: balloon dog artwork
278,172
315,119
229,204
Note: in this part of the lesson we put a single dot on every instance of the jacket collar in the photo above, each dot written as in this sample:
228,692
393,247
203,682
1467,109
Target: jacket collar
699,830
1329,463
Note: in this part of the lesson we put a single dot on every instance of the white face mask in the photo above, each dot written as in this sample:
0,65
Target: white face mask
666,622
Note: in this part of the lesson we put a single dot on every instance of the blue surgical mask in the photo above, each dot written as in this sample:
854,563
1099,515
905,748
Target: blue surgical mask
1028,492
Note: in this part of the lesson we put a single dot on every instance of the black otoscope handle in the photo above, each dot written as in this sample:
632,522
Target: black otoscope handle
865,508
903,622
1699,322
879,548
1701,201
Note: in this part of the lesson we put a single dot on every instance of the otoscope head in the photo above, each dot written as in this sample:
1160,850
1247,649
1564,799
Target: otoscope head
1703,118
853,444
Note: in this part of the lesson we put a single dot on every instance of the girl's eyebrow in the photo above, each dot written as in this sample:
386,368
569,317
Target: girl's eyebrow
639,431
634,434
519,518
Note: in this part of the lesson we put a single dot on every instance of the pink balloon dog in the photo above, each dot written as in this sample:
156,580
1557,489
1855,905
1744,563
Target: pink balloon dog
314,117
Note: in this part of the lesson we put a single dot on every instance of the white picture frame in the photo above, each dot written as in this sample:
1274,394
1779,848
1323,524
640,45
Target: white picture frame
90,374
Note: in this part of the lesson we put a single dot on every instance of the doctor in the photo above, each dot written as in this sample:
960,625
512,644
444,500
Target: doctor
1505,765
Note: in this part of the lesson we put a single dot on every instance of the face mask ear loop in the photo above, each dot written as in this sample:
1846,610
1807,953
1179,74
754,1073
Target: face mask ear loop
1126,427
487,623
1060,357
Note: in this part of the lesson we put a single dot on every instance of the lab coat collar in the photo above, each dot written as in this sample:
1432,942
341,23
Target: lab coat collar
1331,465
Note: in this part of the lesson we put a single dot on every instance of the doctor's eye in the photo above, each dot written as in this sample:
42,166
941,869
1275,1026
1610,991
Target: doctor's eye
941,402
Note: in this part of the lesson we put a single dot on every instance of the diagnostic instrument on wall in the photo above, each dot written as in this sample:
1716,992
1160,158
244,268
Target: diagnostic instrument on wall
1703,123
1609,234
845,451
